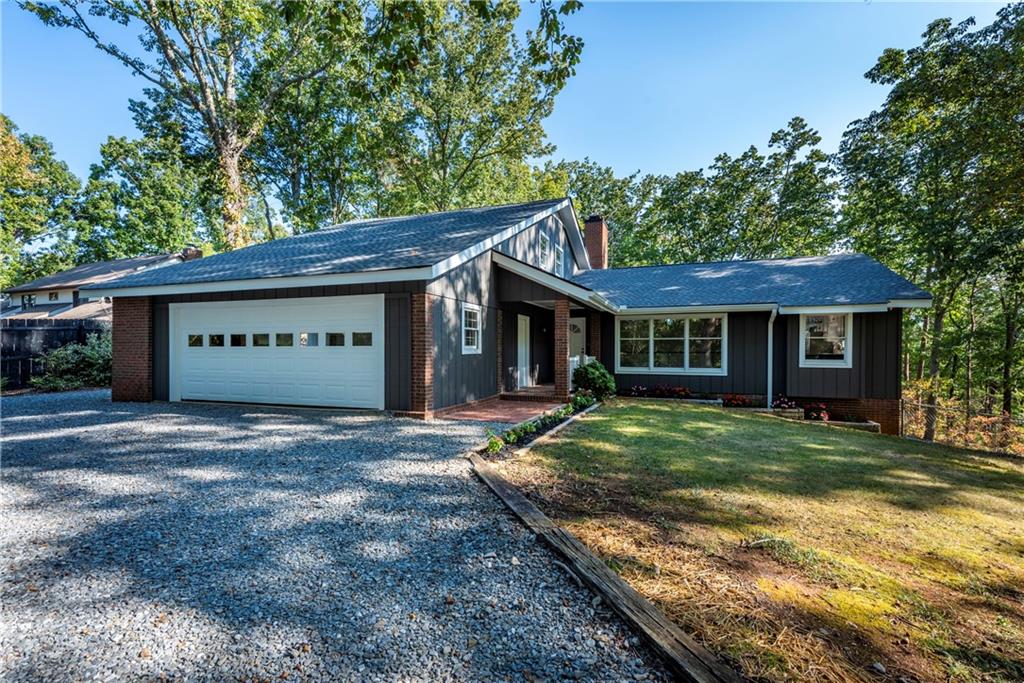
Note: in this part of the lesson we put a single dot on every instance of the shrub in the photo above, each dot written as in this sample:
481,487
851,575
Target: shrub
595,378
735,401
816,411
782,403
77,365
494,442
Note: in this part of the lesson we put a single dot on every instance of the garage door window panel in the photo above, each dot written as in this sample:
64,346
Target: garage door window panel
237,340
335,338
308,339
362,339
261,339
216,340
195,340
284,339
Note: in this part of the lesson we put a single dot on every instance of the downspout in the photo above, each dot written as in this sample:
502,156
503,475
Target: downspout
771,355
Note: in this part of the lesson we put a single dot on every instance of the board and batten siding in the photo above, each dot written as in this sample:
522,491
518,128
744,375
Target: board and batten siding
525,246
747,357
877,339
458,377
397,331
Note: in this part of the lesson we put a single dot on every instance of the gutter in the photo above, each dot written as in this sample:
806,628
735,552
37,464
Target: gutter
771,354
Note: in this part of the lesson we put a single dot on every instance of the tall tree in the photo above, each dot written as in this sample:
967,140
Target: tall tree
929,176
37,198
224,64
473,107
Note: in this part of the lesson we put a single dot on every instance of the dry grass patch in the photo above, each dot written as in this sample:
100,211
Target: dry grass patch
800,552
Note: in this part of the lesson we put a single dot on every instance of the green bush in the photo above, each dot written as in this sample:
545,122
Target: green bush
77,365
594,378
582,400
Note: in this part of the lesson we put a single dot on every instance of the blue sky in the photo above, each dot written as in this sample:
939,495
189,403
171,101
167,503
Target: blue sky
662,87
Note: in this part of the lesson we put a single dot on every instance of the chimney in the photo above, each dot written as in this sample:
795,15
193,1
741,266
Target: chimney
595,237
190,252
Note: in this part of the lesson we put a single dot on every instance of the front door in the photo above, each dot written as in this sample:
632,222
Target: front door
578,338
523,353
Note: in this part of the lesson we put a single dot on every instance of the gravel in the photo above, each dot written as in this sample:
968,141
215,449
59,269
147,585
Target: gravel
144,541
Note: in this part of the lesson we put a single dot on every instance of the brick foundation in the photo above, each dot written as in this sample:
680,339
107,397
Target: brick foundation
422,389
132,370
561,349
884,411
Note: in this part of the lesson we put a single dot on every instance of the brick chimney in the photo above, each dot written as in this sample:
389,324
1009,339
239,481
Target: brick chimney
190,252
595,237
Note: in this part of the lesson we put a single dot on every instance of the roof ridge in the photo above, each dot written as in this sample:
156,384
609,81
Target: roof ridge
355,221
713,263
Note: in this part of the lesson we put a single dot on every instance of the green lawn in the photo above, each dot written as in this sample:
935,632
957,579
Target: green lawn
801,551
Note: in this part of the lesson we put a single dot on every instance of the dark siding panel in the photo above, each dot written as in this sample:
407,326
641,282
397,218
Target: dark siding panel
542,350
397,352
161,354
461,378
747,353
512,288
876,361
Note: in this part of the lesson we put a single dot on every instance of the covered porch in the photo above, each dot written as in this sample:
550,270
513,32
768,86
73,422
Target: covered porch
545,330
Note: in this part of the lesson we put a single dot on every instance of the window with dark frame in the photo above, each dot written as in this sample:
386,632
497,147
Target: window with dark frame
237,340
54,296
335,339
195,340
284,339
362,339
216,340
261,339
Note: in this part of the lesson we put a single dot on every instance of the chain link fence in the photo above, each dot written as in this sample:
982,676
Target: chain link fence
964,428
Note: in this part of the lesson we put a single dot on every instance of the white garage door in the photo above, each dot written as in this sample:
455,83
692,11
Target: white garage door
321,351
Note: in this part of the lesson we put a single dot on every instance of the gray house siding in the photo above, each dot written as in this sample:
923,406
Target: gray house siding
397,332
525,246
747,358
458,377
877,339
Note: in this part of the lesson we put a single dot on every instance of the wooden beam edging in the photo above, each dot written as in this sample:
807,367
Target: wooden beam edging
687,659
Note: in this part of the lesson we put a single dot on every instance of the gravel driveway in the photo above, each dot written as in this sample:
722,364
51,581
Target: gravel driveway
230,543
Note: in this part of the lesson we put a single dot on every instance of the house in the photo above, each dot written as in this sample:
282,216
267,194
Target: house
59,296
422,314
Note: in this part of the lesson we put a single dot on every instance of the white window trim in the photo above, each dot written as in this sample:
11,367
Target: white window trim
469,350
559,261
651,370
545,249
846,362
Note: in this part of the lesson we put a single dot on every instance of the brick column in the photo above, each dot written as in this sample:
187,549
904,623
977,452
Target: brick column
561,349
594,332
500,336
422,389
132,370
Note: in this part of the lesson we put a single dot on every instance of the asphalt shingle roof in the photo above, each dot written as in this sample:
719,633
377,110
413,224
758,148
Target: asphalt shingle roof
89,273
356,246
840,279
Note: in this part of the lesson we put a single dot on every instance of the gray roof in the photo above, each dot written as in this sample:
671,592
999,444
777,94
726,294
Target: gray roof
90,273
840,279
356,246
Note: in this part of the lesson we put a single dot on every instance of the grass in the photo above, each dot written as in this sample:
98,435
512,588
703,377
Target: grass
799,551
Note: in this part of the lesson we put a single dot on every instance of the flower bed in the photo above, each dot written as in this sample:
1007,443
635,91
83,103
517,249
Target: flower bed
502,445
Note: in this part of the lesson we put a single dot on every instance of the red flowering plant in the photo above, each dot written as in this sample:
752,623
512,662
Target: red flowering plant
736,401
816,411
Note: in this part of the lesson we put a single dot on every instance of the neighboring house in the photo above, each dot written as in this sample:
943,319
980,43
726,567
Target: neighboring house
420,314
60,296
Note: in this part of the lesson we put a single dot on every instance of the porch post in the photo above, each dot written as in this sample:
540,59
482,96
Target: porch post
561,349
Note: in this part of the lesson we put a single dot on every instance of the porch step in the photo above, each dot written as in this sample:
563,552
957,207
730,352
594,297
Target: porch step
535,397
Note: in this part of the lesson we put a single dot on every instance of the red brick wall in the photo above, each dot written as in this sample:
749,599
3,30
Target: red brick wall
561,348
422,356
132,373
884,411
595,238
594,332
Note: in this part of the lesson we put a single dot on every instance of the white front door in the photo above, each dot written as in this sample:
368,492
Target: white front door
317,351
578,337
523,353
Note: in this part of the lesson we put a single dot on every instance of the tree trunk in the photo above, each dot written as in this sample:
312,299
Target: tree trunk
235,198
938,317
969,360
922,347
1010,334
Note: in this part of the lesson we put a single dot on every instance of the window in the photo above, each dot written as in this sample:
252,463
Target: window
544,245
260,339
309,339
362,339
559,261
216,340
238,340
195,340
826,340
28,300
54,296
335,338
470,328
692,344
284,339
